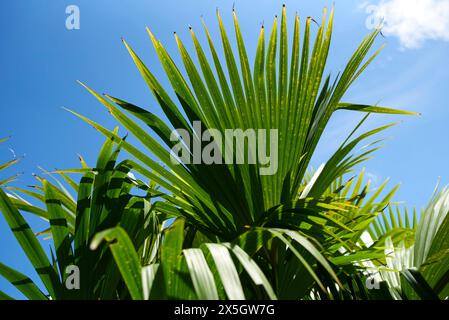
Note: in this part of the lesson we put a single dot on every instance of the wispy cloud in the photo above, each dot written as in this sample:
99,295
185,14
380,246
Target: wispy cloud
413,22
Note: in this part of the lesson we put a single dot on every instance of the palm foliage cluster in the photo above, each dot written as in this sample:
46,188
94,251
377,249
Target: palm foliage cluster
148,228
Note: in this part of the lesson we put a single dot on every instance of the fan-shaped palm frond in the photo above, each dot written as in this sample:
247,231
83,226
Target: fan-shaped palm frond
283,91
253,225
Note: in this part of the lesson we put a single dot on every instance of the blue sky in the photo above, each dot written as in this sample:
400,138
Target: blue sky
41,61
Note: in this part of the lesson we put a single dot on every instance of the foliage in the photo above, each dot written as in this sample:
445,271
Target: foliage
4,166
224,231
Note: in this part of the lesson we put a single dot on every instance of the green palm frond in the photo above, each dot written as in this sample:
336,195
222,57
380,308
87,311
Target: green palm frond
416,252
279,90
104,199
298,102
156,226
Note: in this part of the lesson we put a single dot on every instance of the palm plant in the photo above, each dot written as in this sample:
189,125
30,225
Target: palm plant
265,215
222,231
104,199
415,264
109,206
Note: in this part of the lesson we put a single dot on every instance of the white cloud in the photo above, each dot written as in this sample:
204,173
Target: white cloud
413,21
